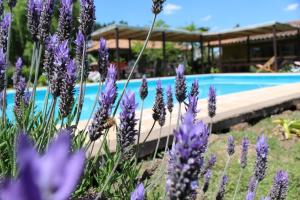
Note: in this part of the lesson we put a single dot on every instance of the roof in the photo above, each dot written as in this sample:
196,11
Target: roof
178,35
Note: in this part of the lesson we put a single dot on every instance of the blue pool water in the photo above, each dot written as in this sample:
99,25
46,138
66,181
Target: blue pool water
225,84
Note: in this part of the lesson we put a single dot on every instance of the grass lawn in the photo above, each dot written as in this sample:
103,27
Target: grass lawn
282,155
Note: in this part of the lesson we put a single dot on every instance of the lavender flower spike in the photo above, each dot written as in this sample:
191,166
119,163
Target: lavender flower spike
4,27
103,61
112,75
157,6
101,116
127,129
187,158
65,20
67,90
262,149
250,196
18,71
34,9
280,186
45,19
195,88
180,84
192,105
138,193
212,102
245,145
49,57
209,165
252,184
52,176
207,177
230,145
87,16
20,87
2,69
170,103
144,88
159,111
222,187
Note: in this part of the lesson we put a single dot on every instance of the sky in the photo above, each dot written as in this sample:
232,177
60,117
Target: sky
215,14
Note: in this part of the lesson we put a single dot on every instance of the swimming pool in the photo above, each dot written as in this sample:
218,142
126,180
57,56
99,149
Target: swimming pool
224,83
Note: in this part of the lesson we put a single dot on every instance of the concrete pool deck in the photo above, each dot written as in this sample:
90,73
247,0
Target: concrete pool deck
231,109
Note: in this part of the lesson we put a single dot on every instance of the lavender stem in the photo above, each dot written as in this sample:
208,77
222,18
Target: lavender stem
139,132
157,145
210,125
149,132
168,137
238,183
33,59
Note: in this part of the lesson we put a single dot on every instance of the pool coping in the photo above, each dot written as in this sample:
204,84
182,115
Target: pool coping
231,109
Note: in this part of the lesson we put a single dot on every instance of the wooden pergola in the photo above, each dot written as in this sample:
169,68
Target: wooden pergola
119,31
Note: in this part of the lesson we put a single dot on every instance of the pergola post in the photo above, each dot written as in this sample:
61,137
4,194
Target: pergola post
202,54
192,53
164,60
298,37
117,48
275,48
248,50
220,54
130,51
209,51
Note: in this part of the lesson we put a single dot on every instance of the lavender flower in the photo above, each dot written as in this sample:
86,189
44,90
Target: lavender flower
26,98
34,9
159,110
101,116
170,103
4,28
195,88
18,71
65,20
144,88
245,145
112,75
2,69
230,145
212,102
87,16
67,90
157,6
51,176
280,186
222,187
250,196
265,198
252,184
192,105
180,84
190,146
207,177
79,42
209,165
262,149
61,59
45,19
49,57
103,62
11,3
20,87
127,130
138,193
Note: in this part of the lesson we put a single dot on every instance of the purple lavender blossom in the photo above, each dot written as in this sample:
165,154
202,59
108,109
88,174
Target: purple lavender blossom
192,105
159,110
65,20
195,88
222,187
103,61
265,198
34,9
245,145
262,149
26,97
2,69
79,42
67,90
87,16
280,186
209,164
20,87
51,176
230,145
11,3
4,28
138,193
45,19
49,57
250,196
144,88
101,116
157,6
18,71
212,102
180,84
61,59
112,75
170,103
127,129
188,152
207,177
252,184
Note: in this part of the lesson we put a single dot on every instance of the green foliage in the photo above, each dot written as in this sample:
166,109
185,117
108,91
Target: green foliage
42,80
289,127
214,70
